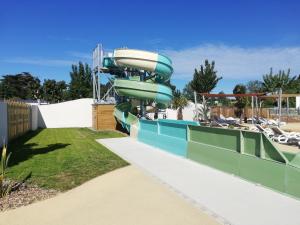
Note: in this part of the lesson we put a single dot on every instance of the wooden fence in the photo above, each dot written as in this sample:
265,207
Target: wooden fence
18,119
230,111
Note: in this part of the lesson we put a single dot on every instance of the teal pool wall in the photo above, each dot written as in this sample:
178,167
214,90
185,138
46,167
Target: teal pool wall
169,135
249,155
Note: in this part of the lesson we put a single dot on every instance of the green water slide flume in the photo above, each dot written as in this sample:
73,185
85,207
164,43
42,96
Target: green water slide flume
139,75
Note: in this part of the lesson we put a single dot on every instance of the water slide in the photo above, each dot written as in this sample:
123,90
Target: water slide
139,75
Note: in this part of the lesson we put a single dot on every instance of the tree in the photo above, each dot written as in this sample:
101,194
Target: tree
179,102
48,90
223,100
22,86
240,101
255,86
205,79
2,90
295,86
53,91
61,91
280,80
172,86
81,81
188,92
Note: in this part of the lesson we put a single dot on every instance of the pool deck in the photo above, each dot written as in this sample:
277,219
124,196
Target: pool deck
226,197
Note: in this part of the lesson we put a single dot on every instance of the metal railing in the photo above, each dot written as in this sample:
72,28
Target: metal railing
285,111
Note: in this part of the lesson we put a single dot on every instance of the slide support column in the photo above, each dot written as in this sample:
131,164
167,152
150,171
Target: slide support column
142,102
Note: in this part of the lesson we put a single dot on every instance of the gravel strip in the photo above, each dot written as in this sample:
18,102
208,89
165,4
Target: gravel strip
25,195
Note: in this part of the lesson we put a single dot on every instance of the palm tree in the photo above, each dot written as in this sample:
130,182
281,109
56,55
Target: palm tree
179,102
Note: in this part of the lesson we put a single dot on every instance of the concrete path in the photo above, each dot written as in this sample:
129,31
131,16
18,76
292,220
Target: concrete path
123,197
233,200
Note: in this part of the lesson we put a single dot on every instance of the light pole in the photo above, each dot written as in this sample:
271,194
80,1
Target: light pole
279,105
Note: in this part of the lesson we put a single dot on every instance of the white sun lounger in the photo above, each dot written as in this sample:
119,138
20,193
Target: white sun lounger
266,131
285,137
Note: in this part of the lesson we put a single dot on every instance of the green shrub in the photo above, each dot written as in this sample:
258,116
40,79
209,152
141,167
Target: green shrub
5,185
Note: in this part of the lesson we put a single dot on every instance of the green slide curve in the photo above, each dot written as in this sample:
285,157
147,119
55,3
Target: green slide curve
134,84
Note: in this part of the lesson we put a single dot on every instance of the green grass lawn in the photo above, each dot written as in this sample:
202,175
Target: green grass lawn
62,158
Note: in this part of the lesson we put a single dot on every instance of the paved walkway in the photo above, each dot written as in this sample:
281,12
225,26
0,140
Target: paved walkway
232,199
123,197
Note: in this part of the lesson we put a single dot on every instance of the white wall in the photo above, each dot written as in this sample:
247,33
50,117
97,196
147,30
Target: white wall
34,117
187,112
76,113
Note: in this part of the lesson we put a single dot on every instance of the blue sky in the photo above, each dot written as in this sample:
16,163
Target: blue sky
245,38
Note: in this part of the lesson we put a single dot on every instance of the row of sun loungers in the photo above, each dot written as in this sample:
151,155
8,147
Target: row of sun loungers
223,121
265,122
256,120
280,136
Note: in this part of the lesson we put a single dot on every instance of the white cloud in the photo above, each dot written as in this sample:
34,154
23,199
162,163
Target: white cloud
235,62
39,62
